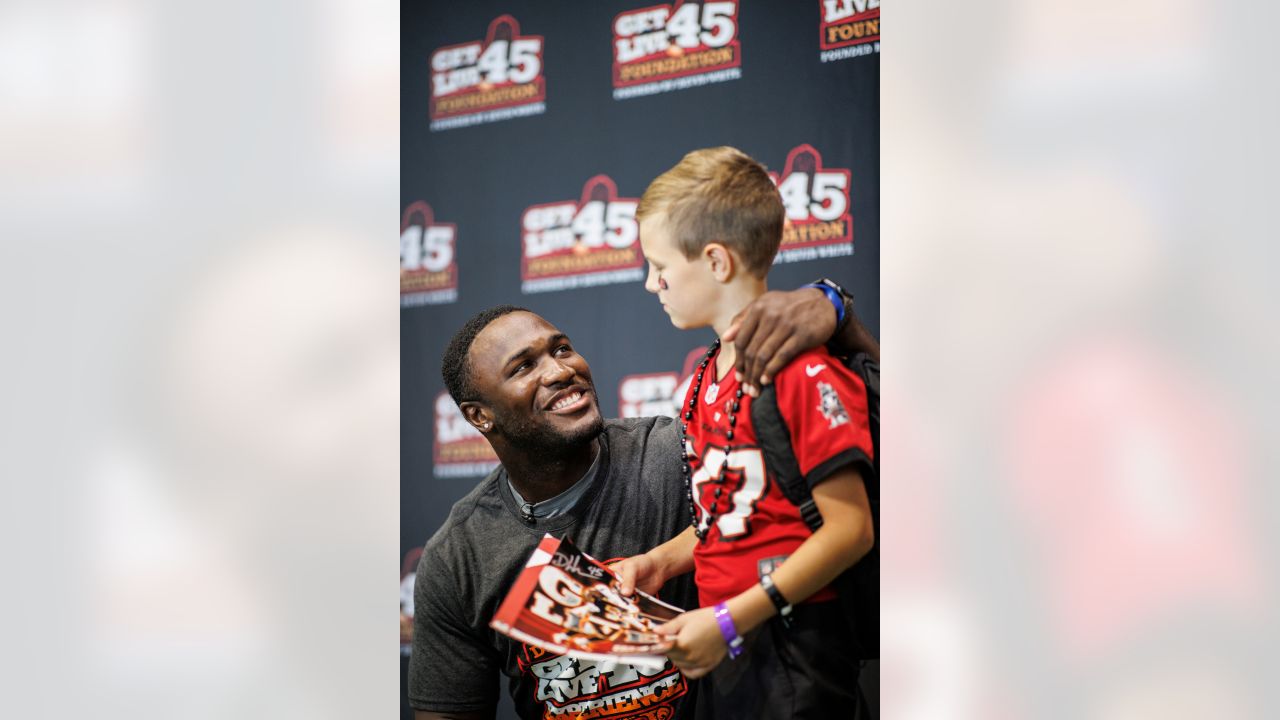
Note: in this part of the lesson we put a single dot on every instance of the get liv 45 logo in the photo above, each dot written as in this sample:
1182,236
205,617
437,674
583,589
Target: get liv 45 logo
578,243
850,28
670,47
485,81
428,261
816,199
459,450
648,394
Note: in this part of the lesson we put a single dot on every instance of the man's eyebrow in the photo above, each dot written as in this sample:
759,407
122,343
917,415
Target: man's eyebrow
517,355
528,350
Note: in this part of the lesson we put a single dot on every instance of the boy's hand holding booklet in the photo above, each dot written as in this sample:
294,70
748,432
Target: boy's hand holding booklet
565,601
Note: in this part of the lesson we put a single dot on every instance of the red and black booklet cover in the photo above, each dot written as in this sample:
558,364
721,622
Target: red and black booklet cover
567,602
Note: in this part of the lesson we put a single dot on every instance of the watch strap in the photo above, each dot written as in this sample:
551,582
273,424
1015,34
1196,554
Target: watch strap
775,596
834,297
841,297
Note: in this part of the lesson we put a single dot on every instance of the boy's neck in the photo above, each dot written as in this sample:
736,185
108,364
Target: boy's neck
734,297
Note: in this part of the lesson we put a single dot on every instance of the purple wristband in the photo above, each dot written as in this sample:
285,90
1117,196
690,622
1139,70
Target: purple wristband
729,630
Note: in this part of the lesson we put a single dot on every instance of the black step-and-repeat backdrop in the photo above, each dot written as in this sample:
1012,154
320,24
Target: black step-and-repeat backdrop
529,130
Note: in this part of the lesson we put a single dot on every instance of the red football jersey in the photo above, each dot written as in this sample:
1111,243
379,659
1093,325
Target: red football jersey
825,408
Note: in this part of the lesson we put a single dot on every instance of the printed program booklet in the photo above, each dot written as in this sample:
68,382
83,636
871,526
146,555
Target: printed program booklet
565,601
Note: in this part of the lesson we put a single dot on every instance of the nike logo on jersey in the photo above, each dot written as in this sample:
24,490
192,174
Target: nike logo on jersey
813,370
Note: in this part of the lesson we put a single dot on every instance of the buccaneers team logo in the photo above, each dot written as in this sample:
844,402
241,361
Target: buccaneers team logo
849,28
830,406
460,450
485,81
578,243
671,47
816,199
428,261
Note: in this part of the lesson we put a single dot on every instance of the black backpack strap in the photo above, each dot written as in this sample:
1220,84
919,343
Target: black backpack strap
809,511
869,371
858,588
775,441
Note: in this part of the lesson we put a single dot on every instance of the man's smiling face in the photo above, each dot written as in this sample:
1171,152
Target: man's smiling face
537,388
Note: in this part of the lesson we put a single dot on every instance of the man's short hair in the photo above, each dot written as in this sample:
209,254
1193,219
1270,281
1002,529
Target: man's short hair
455,366
719,195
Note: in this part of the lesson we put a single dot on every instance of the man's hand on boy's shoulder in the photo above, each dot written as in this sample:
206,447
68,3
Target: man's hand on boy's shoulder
775,328
779,325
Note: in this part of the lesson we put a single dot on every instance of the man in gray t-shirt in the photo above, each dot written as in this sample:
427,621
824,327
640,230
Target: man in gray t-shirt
612,487
471,562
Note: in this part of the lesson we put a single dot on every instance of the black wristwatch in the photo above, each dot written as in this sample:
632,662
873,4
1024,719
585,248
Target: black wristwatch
775,596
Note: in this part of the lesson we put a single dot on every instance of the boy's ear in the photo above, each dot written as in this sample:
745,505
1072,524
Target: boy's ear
480,417
719,259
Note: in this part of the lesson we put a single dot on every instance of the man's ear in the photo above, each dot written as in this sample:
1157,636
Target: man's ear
480,417
720,260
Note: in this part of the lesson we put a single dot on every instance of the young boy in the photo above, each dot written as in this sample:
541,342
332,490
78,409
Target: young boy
709,228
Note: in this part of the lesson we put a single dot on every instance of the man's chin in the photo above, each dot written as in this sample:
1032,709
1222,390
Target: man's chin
547,438
590,427
584,429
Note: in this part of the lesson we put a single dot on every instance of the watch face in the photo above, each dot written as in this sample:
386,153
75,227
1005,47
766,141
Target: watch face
835,286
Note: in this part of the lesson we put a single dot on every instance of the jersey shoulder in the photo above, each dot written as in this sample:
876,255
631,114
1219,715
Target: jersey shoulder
811,366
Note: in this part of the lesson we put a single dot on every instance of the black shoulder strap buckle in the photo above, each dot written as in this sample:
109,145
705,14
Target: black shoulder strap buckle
809,511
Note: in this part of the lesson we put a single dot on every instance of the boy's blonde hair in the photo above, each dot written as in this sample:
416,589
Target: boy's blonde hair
719,194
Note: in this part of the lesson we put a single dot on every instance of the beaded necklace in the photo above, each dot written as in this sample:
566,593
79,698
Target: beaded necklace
684,446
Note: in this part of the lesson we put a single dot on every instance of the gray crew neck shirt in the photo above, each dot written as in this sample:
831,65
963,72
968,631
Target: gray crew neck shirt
564,502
